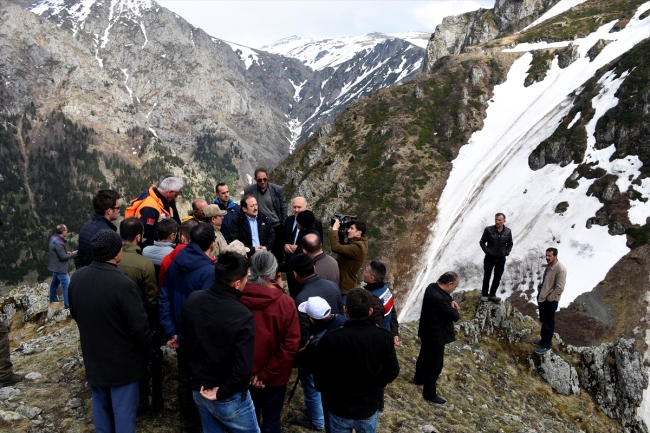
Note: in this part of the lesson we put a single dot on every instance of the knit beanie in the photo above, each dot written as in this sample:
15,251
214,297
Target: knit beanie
306,219
105,245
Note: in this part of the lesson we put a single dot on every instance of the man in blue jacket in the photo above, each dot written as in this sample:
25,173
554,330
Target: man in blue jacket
193,269
226,203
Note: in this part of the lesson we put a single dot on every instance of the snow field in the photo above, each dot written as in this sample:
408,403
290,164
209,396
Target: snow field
491,174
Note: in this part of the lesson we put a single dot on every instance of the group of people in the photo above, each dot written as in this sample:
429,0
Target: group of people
210,287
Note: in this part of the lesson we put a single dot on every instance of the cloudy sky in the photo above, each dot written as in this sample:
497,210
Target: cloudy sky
257,23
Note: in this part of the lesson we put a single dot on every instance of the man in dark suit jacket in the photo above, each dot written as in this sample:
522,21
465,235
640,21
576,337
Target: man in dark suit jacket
271,202
439,312
252,228
291,243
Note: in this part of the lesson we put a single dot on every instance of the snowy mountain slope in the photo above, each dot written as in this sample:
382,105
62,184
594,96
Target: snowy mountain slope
491,174
333,53
561,6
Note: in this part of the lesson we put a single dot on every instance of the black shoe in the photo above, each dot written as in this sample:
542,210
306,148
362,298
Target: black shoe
537,343
304,422
484,298
12,380
436,400
541,349
494,299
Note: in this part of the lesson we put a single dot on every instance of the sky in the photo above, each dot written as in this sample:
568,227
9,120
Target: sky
258,23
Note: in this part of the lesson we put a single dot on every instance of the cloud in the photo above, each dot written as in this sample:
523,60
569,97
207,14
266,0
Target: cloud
257,23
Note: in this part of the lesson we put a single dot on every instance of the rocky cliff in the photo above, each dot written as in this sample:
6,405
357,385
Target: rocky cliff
456,33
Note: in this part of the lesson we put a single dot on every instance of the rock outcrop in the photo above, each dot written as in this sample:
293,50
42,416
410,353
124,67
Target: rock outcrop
458,32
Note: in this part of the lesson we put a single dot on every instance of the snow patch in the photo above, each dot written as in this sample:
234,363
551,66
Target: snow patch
561,7
575,119
481,181
298,89
246,54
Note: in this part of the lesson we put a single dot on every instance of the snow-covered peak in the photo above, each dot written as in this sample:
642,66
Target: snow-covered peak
285,45
419,39
334,52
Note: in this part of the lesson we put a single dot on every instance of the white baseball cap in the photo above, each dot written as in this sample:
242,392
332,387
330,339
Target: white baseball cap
316,307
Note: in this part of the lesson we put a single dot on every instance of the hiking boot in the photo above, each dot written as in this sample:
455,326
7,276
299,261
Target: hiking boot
537,343
12,380
494,299
304,422
436,400
540,350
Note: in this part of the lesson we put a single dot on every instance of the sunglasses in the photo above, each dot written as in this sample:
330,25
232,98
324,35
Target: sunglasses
262,180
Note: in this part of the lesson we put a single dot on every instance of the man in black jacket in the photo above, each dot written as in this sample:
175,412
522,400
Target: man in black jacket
439,312
356,362
218,335
252,228
114,333
496,243
273,204
106,204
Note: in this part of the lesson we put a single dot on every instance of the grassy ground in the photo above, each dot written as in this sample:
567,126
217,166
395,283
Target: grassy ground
489,386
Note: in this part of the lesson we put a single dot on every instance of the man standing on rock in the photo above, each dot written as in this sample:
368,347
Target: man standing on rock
58,265
439,312
548,297
273,204
114,333
106,204
496,243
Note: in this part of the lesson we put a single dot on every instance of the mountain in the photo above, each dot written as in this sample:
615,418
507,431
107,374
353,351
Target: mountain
550,126
116,94
352,67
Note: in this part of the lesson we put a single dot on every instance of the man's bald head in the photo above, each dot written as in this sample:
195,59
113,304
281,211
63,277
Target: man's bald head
298,204
311,245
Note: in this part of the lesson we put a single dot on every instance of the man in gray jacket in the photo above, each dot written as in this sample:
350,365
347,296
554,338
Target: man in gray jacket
496,243
58,265
548,298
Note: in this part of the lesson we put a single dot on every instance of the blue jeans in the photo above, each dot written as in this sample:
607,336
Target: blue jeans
312,400
344,425
64,280
268,403
115,408
233,413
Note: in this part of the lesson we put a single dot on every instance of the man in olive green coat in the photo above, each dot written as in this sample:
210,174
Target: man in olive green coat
351,255
142,271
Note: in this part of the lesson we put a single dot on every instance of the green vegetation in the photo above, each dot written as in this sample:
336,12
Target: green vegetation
582,20
214,154
540,65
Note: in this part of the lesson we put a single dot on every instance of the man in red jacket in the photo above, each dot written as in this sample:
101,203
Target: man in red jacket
277,338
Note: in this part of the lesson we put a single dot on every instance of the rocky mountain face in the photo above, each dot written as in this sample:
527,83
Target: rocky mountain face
458,32
117,94
551,133
492,380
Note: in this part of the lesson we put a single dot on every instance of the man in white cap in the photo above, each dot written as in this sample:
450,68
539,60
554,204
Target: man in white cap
321,322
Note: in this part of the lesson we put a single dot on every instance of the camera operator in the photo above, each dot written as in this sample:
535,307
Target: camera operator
351,254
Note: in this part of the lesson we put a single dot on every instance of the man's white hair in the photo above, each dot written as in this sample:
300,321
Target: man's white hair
174,184
296,198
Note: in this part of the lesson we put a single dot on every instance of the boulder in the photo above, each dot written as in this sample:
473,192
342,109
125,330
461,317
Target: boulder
562,377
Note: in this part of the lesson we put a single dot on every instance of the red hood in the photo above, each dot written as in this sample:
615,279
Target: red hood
259,297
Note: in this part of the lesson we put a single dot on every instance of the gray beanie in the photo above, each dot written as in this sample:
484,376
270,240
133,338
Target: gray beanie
105,245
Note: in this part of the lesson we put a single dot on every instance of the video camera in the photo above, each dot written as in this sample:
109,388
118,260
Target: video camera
346,222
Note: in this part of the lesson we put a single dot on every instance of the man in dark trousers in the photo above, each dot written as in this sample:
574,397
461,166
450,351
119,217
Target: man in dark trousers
218,335
143,273
191,270
310,285
106,204
496,243
252,228
356,362
273,204
114,334
439,312
548,298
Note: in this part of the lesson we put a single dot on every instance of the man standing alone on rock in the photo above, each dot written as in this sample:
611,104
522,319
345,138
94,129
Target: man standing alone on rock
114,334
548,297
496,243
58,265
439,312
